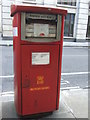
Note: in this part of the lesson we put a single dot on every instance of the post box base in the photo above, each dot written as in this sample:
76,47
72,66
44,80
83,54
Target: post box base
36,116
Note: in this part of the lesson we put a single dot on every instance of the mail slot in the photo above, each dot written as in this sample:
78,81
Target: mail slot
34,27
37,50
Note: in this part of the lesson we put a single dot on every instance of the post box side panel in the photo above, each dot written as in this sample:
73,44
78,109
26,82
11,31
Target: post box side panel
17,62
60,61
39,78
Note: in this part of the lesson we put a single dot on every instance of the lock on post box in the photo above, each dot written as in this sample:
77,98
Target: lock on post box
37,48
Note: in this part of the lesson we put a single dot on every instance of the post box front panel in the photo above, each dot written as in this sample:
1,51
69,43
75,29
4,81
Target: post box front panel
39,78
40,27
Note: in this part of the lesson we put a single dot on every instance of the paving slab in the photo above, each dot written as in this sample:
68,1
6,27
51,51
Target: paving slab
73,104
8,110
77,102
63,112
0,110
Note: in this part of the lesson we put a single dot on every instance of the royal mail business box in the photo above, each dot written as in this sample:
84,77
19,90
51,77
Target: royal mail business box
37,49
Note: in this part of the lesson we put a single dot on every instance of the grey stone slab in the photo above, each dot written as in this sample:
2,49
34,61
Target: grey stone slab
77,101
73,104
62,115
63,112
8,110
0,110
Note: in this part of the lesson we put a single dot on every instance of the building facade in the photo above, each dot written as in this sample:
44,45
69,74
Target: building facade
77,21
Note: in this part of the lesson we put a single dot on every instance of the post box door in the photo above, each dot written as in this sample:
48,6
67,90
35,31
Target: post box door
39,78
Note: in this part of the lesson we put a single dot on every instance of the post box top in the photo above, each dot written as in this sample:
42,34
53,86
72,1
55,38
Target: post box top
37,9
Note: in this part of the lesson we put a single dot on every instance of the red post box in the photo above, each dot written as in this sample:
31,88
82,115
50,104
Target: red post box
37,48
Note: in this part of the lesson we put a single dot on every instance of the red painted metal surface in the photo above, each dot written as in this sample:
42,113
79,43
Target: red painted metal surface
60,62
17,64
39,97
37,9
37,87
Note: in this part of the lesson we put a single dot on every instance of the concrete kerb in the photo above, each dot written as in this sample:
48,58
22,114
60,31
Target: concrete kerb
6,43
76,44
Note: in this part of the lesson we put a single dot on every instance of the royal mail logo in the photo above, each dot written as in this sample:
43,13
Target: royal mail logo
40,80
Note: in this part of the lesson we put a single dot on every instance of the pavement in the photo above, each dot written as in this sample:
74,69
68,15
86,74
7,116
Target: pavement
65,44
73,104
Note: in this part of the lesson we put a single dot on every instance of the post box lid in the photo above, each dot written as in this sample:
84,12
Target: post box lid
37,9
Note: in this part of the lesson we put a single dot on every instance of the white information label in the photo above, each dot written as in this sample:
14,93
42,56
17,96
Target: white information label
41,30
15,31
40,58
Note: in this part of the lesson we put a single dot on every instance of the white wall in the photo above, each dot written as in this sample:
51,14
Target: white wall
72,10
81,20
6,19
80,11
0,17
